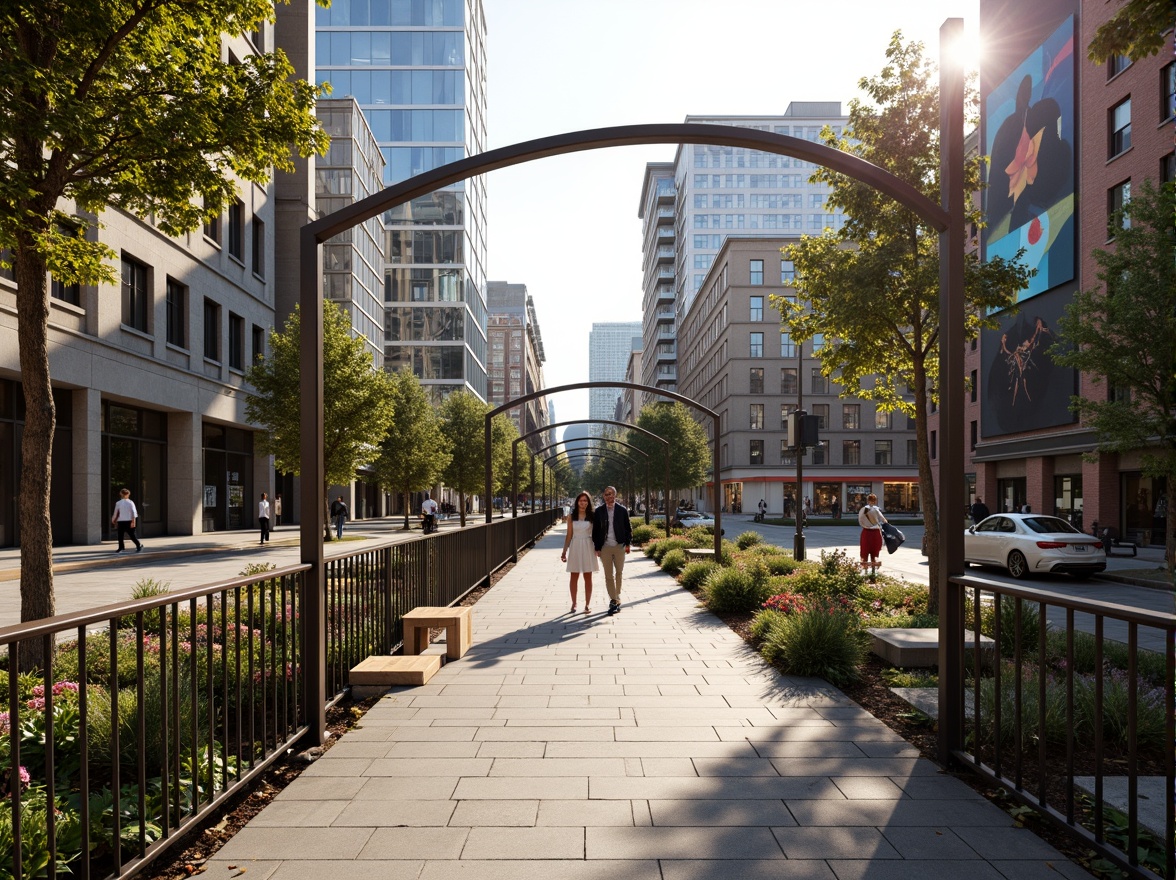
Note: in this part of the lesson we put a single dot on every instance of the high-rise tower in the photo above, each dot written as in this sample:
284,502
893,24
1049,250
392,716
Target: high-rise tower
609,346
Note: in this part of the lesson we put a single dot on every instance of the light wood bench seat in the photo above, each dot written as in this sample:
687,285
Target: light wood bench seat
457,622
378,673
696,554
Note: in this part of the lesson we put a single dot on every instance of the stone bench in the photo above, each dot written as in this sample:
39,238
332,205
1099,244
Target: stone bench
376,674
915,647
458,624
697,554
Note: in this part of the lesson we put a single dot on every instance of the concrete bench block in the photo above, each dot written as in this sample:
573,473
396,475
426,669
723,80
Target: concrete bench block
458,624
377,674
697,554
914,647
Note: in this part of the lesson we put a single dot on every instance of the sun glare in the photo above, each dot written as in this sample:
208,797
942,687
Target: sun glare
967,52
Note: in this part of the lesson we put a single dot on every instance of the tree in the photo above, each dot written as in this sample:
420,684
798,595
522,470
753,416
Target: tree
1124,331
503,433
357,401
689,452
872,287
463,424
129,105
413,452
1141,28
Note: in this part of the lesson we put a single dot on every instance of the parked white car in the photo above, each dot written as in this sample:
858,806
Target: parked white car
689,519
1031,543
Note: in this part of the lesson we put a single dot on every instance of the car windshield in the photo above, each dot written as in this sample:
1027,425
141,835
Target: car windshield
1048,525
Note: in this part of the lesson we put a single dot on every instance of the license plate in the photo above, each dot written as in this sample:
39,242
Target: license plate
1080,548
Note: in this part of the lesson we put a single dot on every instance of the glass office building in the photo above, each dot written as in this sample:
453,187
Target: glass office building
417,69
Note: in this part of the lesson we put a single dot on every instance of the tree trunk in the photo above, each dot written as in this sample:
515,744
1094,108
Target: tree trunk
927,497
461,499
407,495
40,421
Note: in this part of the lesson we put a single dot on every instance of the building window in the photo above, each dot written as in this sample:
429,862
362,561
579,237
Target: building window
756,420
756,309
1116,64
788,380
756,380
212,229
757,345
787,346
912,452
237,230
70,293
819,382
177,314
818,455
821,411
1119,128
934,444
884,452
974,385
785,409
818,342
1117,198
757,272
236,342
756,452
787,272
881,420
787,456
1168,92
975,432
211,330
257,352
258,246
851,451
1168,168
134,294
851,416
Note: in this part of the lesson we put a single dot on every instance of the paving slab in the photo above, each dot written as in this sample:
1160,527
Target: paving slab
653,745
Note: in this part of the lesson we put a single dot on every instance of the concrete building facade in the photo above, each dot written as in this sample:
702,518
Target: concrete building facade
516,356
735,359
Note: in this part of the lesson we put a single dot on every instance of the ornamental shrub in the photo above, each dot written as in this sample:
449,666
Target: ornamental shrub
735,589
764,622
822,641
785,603
779,563
747,539
673,561
643,533
695,573
664,546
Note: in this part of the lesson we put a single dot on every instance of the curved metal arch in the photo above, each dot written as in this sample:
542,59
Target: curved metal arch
623,136
535,454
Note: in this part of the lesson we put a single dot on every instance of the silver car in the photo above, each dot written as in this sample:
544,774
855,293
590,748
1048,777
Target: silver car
1029,543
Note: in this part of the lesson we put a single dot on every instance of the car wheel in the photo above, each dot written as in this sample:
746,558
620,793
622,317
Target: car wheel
1017,566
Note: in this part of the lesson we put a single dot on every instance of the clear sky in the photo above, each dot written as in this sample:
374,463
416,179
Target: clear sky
567,227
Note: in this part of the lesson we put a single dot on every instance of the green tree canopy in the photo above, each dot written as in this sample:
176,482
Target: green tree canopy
872,287
689,450
130,105
1139,29
1123,332
463,424
357,400
413,453
503,433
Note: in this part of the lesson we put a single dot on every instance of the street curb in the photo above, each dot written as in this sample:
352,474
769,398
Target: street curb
1124,578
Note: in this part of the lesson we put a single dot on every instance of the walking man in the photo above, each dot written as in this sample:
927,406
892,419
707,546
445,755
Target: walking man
979,511
836,508
612,535
278,509
263,517
125,518
339,515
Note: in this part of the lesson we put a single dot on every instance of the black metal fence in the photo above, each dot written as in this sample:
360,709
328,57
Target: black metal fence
1071,714
140,719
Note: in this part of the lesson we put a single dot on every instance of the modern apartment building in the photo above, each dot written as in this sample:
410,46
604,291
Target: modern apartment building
609,346
1105,129
516,356
418,70
735,359
689,206
148,374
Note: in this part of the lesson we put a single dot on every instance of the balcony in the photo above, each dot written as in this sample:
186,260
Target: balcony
667,333
665,294
664,315
665,232
665,254
669,356
665,272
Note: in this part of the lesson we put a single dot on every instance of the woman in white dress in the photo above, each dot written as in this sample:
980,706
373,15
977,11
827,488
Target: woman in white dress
579,552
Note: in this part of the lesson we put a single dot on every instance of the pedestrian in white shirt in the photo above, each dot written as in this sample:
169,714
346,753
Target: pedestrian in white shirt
126,517
263,517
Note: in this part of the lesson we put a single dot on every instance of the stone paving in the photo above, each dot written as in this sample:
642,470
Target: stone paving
653,745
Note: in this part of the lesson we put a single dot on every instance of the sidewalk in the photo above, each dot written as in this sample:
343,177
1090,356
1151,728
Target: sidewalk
654,745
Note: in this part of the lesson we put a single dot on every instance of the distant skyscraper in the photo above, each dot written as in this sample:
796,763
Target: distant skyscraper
418,71
516,355
609,346
709,192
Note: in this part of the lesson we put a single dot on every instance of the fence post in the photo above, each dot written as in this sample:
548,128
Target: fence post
389,592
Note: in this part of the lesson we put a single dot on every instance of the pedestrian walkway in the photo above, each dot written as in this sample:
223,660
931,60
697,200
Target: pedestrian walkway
654,745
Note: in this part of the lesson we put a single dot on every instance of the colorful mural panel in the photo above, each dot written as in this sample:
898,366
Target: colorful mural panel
1029,134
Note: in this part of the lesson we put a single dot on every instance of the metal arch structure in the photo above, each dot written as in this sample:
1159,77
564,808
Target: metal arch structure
627,426
657,392
947,218
589,449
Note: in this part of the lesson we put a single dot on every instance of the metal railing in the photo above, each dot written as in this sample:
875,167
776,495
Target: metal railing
1071,714
140,719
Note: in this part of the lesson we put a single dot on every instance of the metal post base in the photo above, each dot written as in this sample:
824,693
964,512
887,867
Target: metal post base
798,547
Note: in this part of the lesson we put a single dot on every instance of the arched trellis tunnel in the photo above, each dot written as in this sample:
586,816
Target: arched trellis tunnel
590,450
628,427
947,219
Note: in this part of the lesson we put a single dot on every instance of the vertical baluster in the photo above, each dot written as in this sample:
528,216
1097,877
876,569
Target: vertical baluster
237,680
194,711
1098,728
1133,743
977,671
250,685
141,728
47,648
1070,715
210,692
1018,732
178,733
223,640
115,747
998,683
1170,752
1042,676
285,684
83,865
14,783
260,688
164,729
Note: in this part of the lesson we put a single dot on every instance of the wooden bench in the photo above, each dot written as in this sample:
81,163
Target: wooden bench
376,674
697,554
457,622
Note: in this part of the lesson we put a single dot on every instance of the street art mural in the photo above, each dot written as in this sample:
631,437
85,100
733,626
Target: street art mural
1029,139
1022,388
